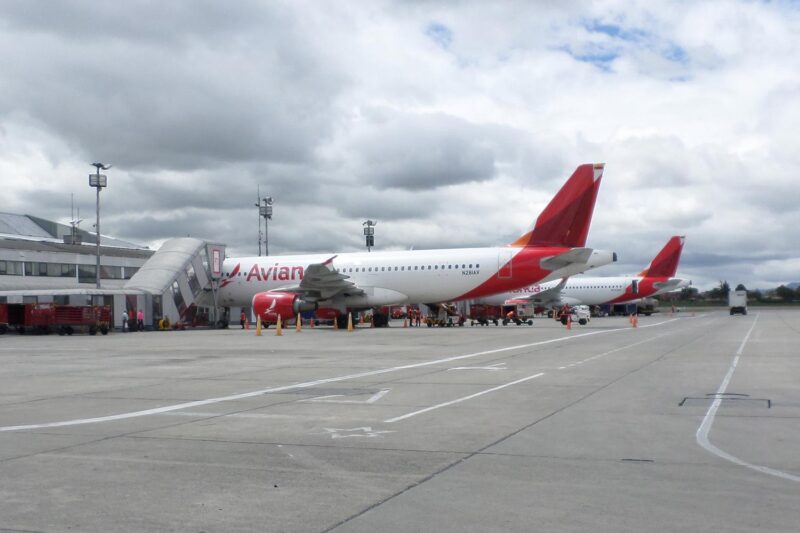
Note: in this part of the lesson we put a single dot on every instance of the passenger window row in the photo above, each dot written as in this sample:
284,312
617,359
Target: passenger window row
392,269
348,270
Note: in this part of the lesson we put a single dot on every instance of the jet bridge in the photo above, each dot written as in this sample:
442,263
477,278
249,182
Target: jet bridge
180,277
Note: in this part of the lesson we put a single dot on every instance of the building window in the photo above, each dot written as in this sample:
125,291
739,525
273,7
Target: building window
86,273
11,268
194,283
110,272
177,297
67,270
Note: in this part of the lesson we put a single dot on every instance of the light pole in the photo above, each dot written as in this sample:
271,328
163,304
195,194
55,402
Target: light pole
369,233
265,211
258,205
98,181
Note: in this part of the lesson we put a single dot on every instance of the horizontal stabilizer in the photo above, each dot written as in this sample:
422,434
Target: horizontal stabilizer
576,255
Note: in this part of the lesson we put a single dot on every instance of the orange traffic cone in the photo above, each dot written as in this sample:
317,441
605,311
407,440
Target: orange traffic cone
246,324
569,321
336,322
278,329
258,326
311,323
298,324
361,318
349,321
405,322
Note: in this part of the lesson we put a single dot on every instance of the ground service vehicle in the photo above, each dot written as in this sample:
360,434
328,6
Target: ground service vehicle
64,319
578,313
737,302
3,318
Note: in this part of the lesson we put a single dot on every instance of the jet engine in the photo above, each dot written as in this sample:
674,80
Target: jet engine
268,305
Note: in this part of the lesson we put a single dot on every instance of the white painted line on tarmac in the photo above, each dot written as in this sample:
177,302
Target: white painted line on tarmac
592,358
451,402
708,420
305,385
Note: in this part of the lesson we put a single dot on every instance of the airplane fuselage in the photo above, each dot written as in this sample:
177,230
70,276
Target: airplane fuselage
417,276
592,291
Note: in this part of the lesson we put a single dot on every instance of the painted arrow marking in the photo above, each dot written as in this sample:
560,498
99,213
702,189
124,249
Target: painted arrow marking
366,431
497,366
330,398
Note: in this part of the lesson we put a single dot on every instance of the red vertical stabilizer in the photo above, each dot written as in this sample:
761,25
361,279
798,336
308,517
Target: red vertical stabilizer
566,219
665,263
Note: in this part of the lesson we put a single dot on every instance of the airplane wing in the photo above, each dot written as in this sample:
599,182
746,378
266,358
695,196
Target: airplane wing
553,294
322,282
576,255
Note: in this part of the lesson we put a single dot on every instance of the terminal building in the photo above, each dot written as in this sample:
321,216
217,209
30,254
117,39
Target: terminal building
42,262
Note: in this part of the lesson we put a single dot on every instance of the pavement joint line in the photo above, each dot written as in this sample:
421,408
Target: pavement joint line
705,426
308,384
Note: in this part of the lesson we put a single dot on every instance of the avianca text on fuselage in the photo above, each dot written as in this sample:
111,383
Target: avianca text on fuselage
352,281
275,272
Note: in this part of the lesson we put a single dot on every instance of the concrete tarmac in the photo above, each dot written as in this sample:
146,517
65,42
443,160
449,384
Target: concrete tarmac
685,423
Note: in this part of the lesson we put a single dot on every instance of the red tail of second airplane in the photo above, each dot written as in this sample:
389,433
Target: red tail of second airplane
665,264
566,219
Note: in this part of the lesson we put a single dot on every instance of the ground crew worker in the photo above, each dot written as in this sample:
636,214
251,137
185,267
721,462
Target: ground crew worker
242,319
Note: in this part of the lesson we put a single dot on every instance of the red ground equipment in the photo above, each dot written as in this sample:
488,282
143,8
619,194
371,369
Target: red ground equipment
64,319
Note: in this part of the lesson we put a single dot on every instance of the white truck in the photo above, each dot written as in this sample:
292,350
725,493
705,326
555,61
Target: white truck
580,314
737,302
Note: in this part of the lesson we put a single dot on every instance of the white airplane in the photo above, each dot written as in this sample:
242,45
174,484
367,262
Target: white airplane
657,278
333,284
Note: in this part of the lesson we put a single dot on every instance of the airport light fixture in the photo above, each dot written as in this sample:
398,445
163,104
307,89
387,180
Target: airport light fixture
265,211
98,181
258,204
369,233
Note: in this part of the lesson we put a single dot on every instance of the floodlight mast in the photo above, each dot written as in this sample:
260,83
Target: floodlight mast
258,205
98,181
264,206
265,210
369,233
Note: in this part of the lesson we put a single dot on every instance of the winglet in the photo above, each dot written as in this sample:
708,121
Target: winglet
665,264
566,219
329,261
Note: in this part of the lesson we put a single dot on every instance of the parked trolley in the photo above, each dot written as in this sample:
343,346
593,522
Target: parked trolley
63,319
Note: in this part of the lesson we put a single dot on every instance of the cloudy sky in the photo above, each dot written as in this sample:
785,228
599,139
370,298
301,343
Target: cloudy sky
451,123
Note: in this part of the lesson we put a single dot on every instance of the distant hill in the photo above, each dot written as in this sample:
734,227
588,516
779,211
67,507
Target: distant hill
793,285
